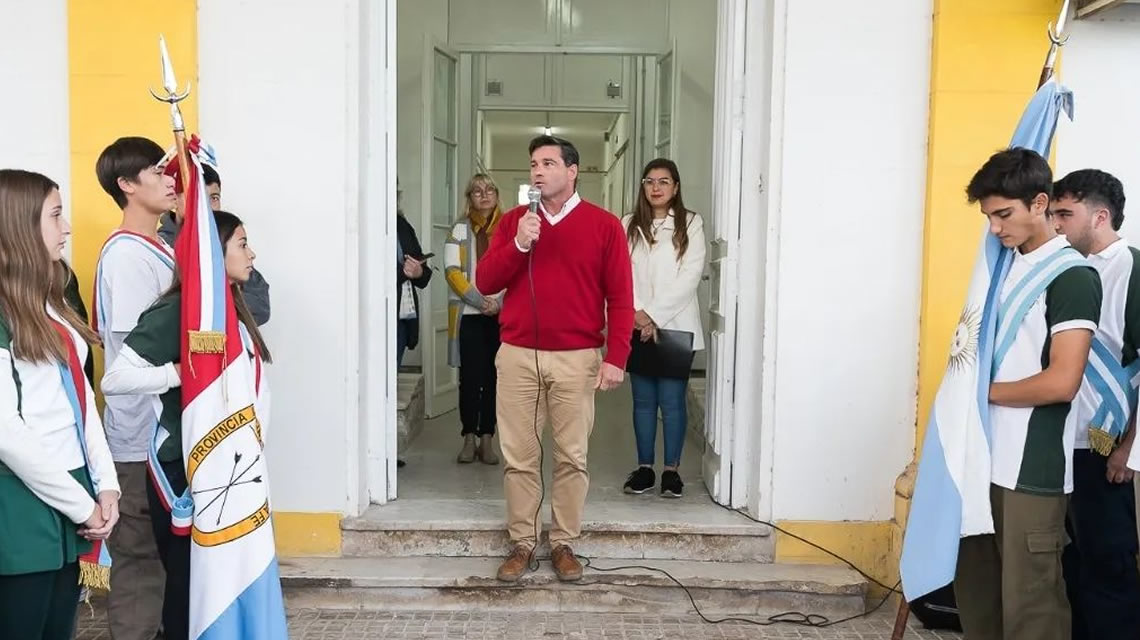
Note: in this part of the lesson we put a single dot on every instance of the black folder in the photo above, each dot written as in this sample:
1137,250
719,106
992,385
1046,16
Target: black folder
670,357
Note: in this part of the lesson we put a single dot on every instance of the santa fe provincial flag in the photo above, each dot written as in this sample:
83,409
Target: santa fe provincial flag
235,591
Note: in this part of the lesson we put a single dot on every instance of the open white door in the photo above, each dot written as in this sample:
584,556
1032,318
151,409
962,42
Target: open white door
722,233
665,106
441,201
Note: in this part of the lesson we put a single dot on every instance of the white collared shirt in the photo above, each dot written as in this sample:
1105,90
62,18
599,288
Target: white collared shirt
567,208
574,201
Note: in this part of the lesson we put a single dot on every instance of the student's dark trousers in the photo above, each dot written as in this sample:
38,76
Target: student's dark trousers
40,606
174,551
1100,562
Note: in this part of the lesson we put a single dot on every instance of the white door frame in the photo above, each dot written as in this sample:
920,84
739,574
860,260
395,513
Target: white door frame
761,180
755,110
371,446
749,99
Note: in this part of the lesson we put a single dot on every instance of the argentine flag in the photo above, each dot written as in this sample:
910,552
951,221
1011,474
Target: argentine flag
951,495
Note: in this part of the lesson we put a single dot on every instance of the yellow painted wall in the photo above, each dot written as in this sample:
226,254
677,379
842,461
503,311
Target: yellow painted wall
307,534
113,59
870,546
986,59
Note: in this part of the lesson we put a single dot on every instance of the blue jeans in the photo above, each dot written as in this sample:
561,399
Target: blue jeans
651,394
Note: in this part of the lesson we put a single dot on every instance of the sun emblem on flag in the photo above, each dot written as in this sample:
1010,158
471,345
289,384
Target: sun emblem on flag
964,345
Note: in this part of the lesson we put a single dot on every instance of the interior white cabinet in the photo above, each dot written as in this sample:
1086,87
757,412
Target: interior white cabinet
601,25
535,81
513,80
516,22
636,24
592,81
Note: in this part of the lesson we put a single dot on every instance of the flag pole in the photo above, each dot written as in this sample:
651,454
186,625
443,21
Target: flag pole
173,97
1057,39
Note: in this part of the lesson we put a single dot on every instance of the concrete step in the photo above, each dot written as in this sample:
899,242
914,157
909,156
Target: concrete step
461,584
643,527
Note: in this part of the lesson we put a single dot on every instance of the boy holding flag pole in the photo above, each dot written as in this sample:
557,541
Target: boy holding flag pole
199,347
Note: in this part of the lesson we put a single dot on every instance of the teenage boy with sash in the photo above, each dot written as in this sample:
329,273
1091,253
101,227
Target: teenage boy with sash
1100,564
1009,583
135,267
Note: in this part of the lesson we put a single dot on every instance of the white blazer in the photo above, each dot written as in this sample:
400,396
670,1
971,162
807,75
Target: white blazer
665,287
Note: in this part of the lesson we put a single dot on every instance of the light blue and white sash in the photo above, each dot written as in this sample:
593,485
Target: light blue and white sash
1116,386
1025,293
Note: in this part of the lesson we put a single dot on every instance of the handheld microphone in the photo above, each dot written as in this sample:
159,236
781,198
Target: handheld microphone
533,195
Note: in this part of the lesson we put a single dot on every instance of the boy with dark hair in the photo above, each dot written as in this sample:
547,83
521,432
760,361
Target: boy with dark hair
135,266
1009,583
256,291
1100,563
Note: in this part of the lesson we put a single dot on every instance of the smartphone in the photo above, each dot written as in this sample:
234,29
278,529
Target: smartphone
427,256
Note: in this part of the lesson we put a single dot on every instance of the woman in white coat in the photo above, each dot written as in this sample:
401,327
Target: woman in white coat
667,249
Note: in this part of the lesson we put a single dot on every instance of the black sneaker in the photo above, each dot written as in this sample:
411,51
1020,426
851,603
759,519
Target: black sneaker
671,485
640,481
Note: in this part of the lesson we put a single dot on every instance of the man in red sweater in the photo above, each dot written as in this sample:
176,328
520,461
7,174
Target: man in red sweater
567,295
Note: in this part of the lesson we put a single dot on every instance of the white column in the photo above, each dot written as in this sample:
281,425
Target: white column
34,116
297,99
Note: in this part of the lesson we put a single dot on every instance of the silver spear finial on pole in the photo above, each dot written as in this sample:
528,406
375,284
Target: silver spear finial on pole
1057,39
171,96
170,85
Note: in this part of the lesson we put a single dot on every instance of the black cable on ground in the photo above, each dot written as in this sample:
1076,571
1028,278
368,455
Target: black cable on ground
795,618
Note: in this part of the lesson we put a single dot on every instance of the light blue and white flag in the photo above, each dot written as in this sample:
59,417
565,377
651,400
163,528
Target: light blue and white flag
951,495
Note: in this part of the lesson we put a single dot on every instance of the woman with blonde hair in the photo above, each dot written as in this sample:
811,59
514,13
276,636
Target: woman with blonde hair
472,319
59,494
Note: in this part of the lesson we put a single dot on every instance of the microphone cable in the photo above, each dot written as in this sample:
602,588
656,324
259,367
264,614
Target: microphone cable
533,563
795,618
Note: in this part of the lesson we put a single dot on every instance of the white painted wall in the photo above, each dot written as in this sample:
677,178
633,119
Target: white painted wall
1101,64
850,245
288,148
34,119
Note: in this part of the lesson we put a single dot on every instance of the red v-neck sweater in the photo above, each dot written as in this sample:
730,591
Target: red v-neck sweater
583,283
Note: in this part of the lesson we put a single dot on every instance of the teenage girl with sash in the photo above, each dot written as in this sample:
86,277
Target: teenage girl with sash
58,490
149,364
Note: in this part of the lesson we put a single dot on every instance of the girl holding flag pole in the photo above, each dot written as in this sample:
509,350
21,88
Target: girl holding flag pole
58,489
150,363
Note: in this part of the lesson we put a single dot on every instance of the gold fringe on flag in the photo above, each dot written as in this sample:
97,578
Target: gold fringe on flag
1101,441
94,576
207,342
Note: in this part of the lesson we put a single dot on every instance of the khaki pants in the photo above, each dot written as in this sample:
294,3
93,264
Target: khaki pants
1009,585
566,380
134,606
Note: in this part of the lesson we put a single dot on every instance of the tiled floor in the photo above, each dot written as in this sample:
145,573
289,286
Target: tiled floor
433,473
344,625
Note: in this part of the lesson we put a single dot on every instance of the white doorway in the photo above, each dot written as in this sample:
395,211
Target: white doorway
639,88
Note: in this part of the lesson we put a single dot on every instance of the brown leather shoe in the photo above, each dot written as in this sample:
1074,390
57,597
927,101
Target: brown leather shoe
516,564
566,566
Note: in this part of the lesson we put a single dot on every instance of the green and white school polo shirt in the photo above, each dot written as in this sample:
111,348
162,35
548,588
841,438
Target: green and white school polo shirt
1119,327
1032,448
